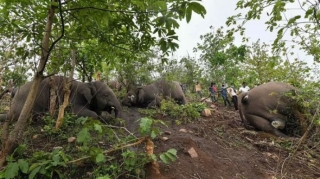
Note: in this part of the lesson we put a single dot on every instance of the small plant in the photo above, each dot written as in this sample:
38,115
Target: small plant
181,113
148,112
41,164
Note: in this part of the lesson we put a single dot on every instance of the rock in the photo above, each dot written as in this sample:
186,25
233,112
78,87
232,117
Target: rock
206,112
192,153
164,138
183,130
167,132
213,106
72,139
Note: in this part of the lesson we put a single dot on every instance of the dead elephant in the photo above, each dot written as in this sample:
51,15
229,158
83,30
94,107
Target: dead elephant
151,95
269,107
87,99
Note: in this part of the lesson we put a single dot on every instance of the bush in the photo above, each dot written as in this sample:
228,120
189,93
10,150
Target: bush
181,113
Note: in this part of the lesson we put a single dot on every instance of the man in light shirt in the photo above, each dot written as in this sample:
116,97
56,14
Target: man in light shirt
244,88
198,89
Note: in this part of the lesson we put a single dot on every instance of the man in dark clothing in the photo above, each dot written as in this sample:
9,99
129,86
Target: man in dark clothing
224,95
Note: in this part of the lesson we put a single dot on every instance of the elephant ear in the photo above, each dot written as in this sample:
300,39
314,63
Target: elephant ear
140,95
88,91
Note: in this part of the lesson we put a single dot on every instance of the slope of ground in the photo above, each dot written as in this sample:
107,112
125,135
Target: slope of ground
226,150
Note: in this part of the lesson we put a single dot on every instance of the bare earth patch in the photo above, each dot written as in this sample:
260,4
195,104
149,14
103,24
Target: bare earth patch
226,150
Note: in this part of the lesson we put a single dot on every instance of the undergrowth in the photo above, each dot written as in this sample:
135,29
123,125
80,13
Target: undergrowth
181,114
99,151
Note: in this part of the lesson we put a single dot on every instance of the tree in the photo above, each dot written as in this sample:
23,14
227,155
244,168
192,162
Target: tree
302,28
116,27
220,56
262,65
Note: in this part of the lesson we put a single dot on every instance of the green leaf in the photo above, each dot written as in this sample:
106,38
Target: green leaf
84,136
34,172
98,127
308,12
12,170
23,165
188,14
145,125
163,45
169,156
100,158
197,8
139,4
153,134
162,5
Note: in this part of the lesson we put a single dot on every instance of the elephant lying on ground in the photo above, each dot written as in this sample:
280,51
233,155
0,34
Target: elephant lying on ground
269,107
151,95
87,99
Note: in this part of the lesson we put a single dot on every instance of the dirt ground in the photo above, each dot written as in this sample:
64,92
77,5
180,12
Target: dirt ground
225,150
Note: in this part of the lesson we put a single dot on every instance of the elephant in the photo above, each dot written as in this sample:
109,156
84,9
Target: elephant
269,107
86,99
151,95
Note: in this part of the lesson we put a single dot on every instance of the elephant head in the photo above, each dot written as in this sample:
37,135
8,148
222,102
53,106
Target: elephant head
134,97
271,108
99,95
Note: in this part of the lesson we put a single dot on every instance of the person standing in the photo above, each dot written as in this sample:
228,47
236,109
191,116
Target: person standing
232,92
198,89
213,90
244,88
224,95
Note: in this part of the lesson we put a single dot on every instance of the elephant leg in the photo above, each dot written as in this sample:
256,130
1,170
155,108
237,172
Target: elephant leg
263,125
84,112
153,104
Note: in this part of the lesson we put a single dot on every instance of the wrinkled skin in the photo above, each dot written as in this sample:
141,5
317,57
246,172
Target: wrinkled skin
87,99
151,95
267,107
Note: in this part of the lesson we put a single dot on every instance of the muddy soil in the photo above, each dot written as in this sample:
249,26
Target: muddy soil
225,150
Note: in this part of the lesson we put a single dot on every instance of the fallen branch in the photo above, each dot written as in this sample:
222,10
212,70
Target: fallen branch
110,150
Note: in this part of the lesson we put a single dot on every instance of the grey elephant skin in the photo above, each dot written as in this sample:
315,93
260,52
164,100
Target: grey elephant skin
151,95
268,107
87,99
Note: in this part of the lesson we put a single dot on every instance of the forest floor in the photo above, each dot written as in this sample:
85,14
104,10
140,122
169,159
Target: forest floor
223,149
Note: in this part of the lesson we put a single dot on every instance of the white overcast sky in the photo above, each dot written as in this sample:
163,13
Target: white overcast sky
217,14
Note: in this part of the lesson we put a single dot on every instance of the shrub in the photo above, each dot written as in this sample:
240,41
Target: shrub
181,113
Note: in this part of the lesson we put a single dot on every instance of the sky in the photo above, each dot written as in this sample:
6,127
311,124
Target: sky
217,14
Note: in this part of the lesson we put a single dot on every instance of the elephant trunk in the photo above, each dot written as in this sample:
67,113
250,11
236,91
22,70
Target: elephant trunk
116,113
117,109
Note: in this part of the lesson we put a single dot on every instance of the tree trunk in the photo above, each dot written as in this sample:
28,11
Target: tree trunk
16,135
53,96
67,91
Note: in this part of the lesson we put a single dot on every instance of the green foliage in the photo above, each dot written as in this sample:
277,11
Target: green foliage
181,113
117,32
147,127
302,24
91,146
220,56
42,164
169,156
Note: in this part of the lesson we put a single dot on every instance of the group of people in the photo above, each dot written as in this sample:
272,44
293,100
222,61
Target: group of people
225,92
